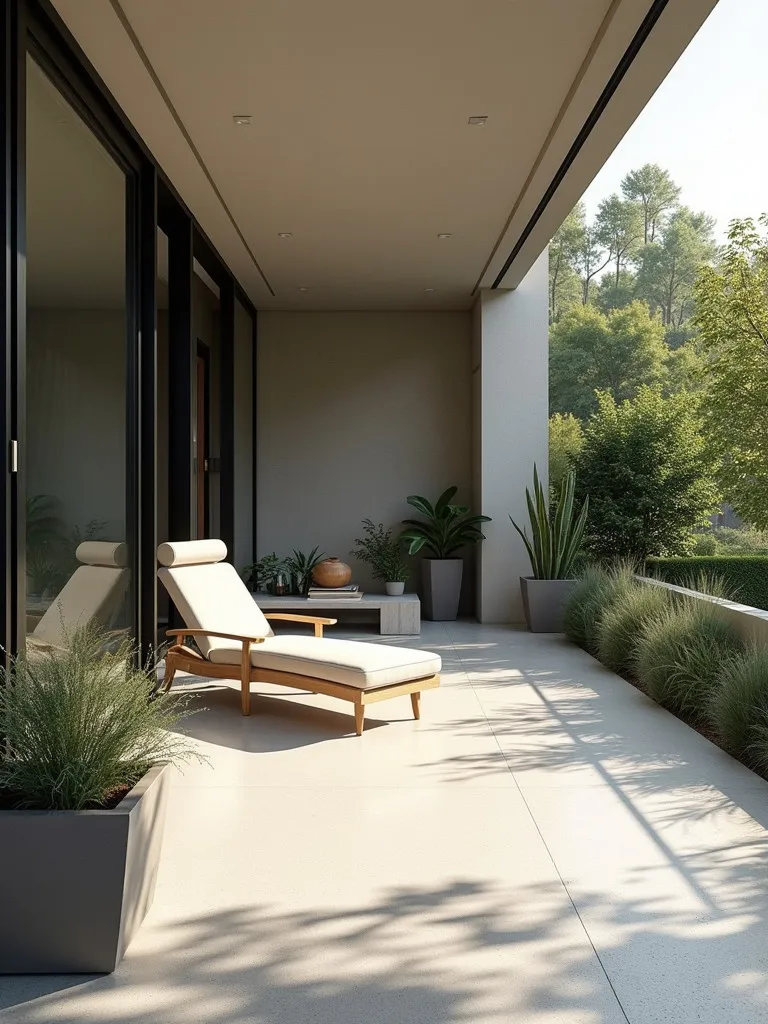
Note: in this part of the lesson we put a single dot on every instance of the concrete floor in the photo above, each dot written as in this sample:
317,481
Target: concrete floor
545,846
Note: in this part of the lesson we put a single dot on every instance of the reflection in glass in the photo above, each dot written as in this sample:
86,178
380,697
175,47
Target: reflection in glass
75,445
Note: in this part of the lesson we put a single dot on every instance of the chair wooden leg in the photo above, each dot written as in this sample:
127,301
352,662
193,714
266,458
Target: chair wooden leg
170,672
359,718
416,704
245,678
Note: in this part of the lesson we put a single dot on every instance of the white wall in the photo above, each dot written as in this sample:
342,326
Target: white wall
75,436
510,420
356,410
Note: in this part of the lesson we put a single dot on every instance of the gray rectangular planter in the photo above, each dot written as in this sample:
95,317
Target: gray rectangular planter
76,885
441,582
544,603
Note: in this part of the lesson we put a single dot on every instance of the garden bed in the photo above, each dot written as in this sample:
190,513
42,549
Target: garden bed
700,657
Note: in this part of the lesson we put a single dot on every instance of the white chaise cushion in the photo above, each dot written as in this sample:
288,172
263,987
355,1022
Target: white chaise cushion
365,666
191,552
91,596
212,596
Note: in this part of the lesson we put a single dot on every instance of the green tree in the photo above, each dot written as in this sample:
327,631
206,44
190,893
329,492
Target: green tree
590,259
610,295
590,351
652,187
668,268
566,437
732,319
619,228
644,466
564,283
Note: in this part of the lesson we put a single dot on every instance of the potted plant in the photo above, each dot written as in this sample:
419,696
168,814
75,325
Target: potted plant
83,781
447,528
378,549
269,573
300,566
554,543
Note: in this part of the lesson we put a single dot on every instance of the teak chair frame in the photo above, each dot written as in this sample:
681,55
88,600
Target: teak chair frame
182,658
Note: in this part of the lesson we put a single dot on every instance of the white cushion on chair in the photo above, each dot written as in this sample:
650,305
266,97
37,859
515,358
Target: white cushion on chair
191,552
365,666
91,596
213,596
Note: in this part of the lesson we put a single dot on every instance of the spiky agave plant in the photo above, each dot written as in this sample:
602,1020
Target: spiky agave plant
555,540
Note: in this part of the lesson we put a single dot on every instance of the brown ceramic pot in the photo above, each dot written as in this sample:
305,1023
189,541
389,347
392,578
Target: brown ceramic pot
331,573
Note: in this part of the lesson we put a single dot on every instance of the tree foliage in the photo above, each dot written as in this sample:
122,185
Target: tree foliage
617,352
645,468
619,229
732,319
653,189
566,437
564,249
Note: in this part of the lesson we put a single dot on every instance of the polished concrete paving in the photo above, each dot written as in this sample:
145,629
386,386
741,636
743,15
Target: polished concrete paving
544,846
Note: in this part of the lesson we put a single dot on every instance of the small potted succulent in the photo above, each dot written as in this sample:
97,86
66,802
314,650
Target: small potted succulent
384,554
554,544
87,742
445,530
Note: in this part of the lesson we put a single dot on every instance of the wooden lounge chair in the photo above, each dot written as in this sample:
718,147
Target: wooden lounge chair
235,641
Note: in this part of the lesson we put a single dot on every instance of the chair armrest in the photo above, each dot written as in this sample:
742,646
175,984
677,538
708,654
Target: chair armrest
181,633
314,620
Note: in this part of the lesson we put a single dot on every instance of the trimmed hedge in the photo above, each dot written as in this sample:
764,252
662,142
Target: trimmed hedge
745,576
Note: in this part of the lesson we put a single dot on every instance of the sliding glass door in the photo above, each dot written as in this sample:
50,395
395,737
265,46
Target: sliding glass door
75,443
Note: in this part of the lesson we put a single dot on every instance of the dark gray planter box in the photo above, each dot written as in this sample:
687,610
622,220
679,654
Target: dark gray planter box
544,603
76,885
441,582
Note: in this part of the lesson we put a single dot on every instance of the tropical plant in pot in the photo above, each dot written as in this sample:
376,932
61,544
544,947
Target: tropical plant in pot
445,529
554,544
86,744
384,554
270,573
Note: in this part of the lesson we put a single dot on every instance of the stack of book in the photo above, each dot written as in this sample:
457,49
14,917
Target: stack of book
349,593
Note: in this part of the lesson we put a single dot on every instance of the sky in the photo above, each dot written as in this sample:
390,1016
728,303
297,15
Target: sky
707,123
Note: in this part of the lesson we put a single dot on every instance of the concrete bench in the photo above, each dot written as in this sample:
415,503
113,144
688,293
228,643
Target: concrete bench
398,616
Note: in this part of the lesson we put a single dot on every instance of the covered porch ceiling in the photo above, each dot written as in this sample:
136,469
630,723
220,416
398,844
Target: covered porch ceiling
359,147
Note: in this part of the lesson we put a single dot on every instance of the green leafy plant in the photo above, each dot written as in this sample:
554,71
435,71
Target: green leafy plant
301,565
623,622
447,528
80,726
555,538
263,573
645,468
739,707
382,552
680,655
745,577
595,591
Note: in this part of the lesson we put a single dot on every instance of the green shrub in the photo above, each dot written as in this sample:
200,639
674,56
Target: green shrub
80,725
739,707
745,577
595,591
622,624
680,656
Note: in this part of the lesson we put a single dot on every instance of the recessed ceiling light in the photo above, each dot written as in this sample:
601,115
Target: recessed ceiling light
429,289
303,288
443,235
478,120
285,234
241,119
